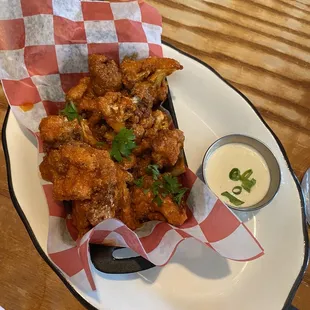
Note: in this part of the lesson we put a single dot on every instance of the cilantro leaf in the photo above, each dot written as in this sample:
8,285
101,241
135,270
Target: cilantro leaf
138,182
178,196
173,187
153,170
123,143
168,185
70,111
171,183
156,187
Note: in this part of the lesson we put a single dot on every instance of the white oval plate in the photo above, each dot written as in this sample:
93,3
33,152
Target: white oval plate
196,278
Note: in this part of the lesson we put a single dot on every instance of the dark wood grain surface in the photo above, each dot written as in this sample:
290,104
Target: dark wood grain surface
262,47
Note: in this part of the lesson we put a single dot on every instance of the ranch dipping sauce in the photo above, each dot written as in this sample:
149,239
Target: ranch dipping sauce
238,175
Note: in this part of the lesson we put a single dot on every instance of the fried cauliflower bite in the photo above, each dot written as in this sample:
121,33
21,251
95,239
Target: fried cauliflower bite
100,207
78,91
142,162
125,212
79,219
56,130
87,105
146,131
146,78
166,147
111,203
78,171
128,162
140,121
135,71
151,93
161,122
88,136
89,177
174,214
116,109
105,75
146,209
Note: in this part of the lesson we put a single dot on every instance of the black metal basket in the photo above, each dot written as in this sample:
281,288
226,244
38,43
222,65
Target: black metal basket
102,256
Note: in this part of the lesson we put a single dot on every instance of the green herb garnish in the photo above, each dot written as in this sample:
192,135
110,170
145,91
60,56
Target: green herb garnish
156,187
123,143
70,112
138,182
237,190
235,201
173,187
153,170
248,184
172,184
234,174
178,196
168,185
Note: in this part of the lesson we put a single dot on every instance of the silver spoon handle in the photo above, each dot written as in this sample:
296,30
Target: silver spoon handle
305,185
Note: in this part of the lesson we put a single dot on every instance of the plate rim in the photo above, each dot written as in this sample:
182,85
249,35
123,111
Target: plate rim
79,297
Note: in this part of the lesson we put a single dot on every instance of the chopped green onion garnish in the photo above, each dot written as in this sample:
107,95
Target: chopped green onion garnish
248,184
234,174
237,190
246,188
235,201
246,174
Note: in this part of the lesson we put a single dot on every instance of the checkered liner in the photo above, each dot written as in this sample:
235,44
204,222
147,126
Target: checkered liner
44,47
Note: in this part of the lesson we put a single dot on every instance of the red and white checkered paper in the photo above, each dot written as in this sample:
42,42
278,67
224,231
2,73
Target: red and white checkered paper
44,48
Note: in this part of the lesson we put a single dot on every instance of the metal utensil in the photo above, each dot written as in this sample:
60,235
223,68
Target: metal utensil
305,186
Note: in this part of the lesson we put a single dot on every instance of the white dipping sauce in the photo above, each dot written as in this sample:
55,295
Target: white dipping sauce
243,157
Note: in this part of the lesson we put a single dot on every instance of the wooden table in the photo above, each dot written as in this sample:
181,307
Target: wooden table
263,48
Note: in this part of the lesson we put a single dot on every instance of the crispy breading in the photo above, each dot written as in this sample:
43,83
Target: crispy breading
145,78
105,75
78,160
135,71
56,130
77,92
116,109
146,209
78,171
166,147
79,219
